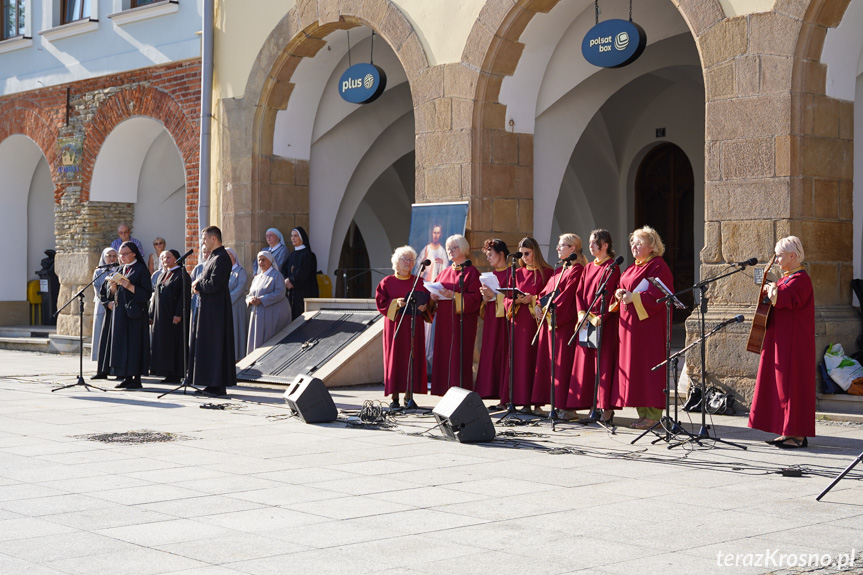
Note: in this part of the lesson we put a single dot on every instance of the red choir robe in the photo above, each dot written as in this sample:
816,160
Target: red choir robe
446,331
397,353
642,336
566,319
784,398
495,343
530,281
583,381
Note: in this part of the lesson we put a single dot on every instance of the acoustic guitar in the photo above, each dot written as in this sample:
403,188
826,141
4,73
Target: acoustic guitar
762,312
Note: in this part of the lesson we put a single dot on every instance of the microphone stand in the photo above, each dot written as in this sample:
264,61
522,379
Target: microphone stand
410,301
595,415
186,383
460,329
510,406
551,308
671,426
704,432
80,296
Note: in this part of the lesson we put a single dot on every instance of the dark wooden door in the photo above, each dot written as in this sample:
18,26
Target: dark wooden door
665,200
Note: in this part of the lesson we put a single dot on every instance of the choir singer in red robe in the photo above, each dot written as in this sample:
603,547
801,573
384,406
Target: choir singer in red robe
642,332
495,339
390,300
457,311
784,398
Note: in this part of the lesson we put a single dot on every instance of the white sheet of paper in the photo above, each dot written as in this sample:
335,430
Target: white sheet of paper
436,288
489,280
642,286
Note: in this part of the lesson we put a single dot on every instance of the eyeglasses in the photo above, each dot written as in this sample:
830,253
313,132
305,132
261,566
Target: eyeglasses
158,243
407,259
564,246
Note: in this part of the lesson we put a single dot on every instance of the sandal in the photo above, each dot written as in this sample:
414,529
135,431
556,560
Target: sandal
607,421
791,443
636,422
644,424
775,440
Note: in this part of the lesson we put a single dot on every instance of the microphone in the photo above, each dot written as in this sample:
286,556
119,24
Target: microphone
749,262
515,255
466,264
570,258
735,319
183,257
107,266
618,261
425,264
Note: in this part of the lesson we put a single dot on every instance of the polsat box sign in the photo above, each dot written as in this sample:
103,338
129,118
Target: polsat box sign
362,83
613,43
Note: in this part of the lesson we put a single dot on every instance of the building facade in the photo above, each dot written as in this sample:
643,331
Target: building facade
99,126
734,128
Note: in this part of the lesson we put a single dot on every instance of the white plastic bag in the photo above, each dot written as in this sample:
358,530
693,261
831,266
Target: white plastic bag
841,368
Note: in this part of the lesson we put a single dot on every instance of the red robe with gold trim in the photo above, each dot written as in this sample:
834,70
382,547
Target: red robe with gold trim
784,398
495,344
446,331
524,354
563,354
397,354
642,338
583,381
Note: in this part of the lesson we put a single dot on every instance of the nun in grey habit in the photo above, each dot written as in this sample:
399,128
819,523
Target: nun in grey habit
237,287
271,311
109,257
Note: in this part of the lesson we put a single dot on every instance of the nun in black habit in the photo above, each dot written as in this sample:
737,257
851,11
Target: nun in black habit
130,335
300,271
166,317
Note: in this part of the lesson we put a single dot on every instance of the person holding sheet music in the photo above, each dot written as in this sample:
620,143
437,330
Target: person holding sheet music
582,383
642,330
530,278
565,279
495,340
457,310
390,300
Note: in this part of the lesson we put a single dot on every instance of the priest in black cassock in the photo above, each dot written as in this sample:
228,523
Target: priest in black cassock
166,317
129,356
211,357
301,272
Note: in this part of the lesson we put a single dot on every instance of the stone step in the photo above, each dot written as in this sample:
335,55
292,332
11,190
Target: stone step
840,403
37,331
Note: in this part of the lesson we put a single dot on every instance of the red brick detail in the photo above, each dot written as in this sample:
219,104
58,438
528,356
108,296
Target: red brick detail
35,120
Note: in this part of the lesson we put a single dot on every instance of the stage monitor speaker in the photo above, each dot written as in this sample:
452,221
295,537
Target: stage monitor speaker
463,417
310,400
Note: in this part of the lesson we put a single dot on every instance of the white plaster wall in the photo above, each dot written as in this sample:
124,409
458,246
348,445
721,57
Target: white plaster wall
109,49
40,218
858,180
118,165
842,51
161,196
19,158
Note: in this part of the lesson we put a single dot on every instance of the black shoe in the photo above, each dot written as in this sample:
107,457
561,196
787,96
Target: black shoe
395,404
210,391
495,408
130,383
100,376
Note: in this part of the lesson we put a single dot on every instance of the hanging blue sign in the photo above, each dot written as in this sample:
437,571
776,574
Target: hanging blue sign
613,43
362,83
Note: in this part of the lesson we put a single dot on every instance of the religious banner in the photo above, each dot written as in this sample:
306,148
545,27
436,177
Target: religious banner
71,152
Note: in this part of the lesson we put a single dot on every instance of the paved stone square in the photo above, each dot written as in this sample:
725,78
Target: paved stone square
248,489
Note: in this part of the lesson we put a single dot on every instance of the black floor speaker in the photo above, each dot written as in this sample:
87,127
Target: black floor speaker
463,417
310,400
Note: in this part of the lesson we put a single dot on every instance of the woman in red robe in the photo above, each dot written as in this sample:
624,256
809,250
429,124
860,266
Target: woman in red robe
583,381
390,299
461,307
495,339
642,332
784,398
565,279
530,278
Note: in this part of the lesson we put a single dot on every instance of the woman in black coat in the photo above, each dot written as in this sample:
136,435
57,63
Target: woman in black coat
166,316
130,334
300,271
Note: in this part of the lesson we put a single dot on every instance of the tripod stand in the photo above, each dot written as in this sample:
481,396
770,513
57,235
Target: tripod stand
80,296
840,476
511,292
186,383
411,306
551,312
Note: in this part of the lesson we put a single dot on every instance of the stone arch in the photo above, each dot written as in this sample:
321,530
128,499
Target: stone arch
147,102
23,117
255,179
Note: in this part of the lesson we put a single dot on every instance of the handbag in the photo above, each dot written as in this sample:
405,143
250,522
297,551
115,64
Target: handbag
719,402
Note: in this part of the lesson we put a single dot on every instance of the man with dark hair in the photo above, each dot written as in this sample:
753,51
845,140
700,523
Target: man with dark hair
211,357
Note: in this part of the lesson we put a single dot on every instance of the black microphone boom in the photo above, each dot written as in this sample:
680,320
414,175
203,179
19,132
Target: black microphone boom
745,263
515,255
466,264
183,257
618,261
735,319
425,263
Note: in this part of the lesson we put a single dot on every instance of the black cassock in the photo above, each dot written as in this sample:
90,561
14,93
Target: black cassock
301,268
130,330
211,357
166,354
105,335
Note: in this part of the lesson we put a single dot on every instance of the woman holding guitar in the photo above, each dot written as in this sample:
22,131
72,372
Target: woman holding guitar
784,398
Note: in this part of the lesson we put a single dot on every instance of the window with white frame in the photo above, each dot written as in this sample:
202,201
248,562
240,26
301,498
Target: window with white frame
73,10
